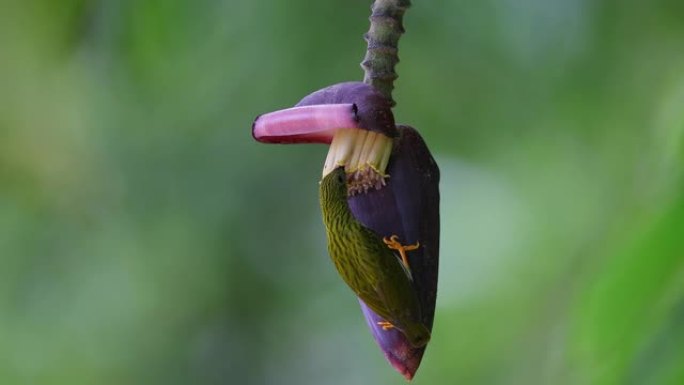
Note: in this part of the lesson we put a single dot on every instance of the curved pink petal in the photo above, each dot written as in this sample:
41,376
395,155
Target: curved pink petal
305,124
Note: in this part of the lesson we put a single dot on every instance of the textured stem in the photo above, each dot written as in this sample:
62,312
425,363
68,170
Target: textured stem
383,38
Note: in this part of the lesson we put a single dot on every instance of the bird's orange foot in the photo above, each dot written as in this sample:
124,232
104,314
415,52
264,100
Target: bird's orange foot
393,243
386,325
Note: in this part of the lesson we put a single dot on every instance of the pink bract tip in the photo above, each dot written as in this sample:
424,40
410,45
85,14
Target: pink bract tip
306,124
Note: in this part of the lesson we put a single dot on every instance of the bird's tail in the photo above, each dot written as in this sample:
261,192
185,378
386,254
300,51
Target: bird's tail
417,334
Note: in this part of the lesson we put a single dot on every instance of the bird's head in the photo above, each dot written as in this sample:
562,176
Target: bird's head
334,185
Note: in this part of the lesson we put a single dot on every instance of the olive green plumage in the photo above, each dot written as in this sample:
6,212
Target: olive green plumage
367,265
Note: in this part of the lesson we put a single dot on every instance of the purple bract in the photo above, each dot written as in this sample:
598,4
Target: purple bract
407,205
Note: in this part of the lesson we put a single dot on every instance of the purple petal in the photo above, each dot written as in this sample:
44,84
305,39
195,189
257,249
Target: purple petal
416,187
316,117
397,350
305,124
373,109
408,207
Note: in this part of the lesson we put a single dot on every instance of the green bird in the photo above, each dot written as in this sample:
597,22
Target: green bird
368,265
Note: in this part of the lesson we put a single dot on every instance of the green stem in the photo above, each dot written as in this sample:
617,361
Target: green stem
383,38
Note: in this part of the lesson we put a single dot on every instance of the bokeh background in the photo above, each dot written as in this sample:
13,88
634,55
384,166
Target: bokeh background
145,238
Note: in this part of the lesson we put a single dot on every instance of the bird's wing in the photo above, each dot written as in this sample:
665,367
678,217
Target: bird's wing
384,300
378,246
372,297
373,271
385,290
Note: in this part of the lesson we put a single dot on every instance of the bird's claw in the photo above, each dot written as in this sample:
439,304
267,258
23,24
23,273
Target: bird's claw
393,243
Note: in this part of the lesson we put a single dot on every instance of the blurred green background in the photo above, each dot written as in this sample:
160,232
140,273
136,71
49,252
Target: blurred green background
145,238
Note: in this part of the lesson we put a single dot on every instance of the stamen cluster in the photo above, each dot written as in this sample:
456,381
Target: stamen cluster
365,155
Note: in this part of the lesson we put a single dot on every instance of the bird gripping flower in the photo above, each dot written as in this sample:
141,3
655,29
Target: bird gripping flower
367,264
391,189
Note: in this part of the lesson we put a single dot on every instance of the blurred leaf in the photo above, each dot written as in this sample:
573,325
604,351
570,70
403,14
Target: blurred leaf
631,312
